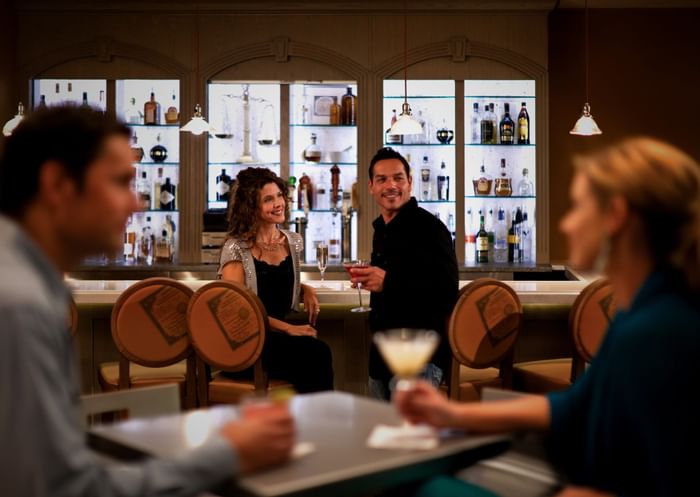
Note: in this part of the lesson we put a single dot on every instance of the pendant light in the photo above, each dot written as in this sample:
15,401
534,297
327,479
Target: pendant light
12,123
198,125
405,124
586,125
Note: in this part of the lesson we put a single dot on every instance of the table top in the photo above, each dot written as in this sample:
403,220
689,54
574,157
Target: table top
337,424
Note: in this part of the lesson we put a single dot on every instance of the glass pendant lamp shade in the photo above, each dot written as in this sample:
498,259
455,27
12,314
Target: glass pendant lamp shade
198,125
586,125
406,124
12,123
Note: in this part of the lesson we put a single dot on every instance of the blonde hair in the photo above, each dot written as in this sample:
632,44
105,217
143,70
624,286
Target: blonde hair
662,185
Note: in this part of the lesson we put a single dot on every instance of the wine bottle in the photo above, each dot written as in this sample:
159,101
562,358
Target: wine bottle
443,183
151,111
223,186
482,243
335,112
167,196
507,127
475,124
513,242
157,183
487,130
523,126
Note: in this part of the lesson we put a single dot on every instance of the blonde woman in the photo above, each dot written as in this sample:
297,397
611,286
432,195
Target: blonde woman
265,258
630,425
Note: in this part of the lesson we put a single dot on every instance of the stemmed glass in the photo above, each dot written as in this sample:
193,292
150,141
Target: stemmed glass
357,264
322,258
406,351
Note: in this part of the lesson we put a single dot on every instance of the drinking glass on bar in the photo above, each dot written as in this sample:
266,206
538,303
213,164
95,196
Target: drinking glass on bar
322,258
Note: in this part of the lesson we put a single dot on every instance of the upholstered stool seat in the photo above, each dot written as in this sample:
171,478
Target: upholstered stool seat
141,376
472,381
542,376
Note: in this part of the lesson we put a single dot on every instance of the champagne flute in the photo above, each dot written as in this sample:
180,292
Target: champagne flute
322,258
406,352
348,267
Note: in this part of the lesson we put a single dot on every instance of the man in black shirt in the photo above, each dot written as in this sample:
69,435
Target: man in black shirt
413,276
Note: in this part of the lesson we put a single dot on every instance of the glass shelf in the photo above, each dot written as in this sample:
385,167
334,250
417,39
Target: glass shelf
177,125
512,97
514,145
435,201
169,164
311,211
419,144
252,164
157,210
322,163
412,97
497,197
322,126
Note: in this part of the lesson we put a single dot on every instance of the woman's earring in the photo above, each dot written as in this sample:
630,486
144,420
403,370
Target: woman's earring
601,260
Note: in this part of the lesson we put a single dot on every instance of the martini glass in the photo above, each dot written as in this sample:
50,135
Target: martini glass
348,267
406,351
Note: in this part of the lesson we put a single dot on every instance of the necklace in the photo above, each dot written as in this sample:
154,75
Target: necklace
273,245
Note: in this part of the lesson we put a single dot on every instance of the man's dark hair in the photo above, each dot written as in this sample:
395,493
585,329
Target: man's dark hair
387,153
70,135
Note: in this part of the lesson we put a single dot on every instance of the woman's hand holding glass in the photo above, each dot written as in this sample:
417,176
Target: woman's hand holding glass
424,404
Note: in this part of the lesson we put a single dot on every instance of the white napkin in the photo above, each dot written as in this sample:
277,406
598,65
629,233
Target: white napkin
410,437
302,449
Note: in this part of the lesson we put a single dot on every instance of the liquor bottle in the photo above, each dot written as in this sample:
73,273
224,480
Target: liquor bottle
42,102
157,183
164,247
470,238
129,241
389,138
475,124
451,228
525,239
523,126
493,114
312,153
167,196
143,192
151,111
334,247
500,243
223,186
482,182
322,202
306,192
507,127
348,108
58,88
425,186
443,183
336,191
487,129
136,149
292,195
503,187
172,116
513,241
490,226
355,196
70,87
158,152
519,233
85,103
133,115
171,227
146,243
525,187
482,243
335,112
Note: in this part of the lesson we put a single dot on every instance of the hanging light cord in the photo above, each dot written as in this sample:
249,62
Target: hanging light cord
196,45
405,53
586,48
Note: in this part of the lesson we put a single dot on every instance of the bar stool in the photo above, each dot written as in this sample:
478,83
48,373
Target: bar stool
149,328
589,318
482,330
227,326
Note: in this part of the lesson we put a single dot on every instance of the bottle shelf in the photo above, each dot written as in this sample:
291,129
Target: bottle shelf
502,97
158,210
153,125
435,201
323,125
419,97
311,211
322,163
419,144
499,145
500,198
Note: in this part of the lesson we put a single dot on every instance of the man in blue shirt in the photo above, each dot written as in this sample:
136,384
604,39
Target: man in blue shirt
65,177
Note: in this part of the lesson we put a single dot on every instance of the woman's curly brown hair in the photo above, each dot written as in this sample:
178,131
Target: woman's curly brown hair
245,200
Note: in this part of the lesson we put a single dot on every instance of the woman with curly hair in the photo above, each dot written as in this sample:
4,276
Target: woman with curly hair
265,258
